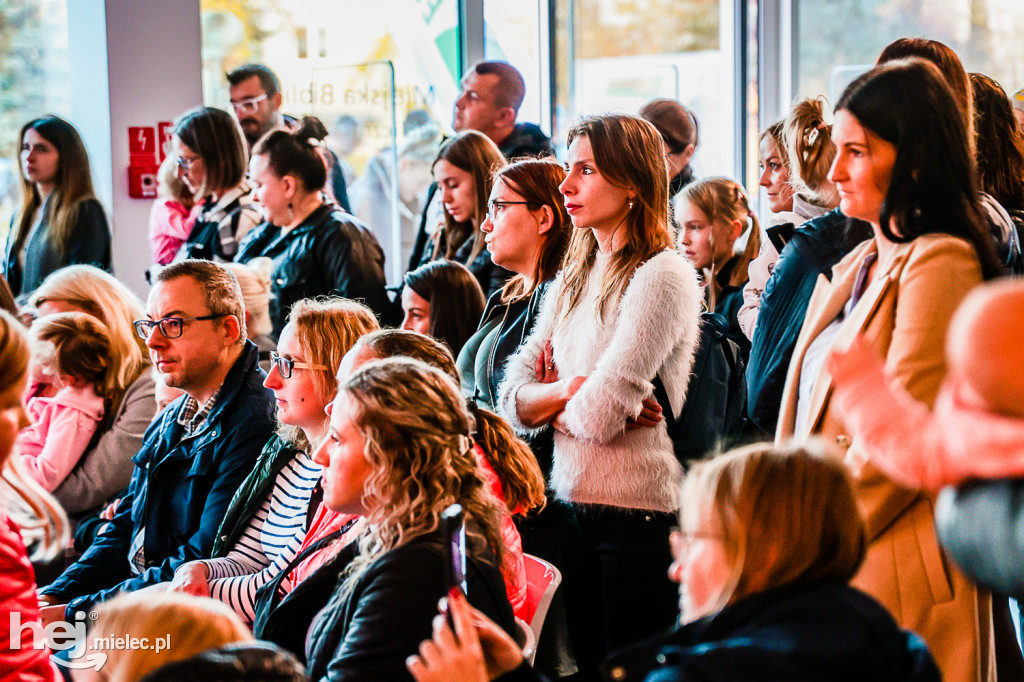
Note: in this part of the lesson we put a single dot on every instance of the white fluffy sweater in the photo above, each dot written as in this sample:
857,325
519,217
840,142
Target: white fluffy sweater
652,330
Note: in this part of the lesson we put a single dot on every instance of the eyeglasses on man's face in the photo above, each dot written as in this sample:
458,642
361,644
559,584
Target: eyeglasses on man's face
170,327
249,105
286,365
495,207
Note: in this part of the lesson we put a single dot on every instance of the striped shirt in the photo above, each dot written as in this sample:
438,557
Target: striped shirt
270,540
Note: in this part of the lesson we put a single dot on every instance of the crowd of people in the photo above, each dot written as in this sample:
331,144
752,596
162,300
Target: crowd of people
261,463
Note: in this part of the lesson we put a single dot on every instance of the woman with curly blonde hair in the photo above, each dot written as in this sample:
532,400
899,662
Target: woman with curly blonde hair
399,453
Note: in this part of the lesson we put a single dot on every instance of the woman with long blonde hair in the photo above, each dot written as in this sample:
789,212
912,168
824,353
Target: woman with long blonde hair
30,510
106,468
399,452
623,314
60,222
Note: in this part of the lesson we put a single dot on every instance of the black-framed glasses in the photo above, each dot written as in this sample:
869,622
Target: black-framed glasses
185,164
249,104
170,327
286,365
495,207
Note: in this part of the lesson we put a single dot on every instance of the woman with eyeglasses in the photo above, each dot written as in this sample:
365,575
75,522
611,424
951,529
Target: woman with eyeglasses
316,248
267,519
60,222
212,159
463,173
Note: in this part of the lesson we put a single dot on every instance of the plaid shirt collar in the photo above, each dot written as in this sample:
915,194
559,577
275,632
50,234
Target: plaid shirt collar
192,415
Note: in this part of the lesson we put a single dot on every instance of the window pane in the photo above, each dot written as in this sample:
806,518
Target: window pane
623,54
512,32
839,39
35,79
334,60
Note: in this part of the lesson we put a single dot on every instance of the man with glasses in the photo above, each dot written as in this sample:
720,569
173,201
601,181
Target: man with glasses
195,453
255,94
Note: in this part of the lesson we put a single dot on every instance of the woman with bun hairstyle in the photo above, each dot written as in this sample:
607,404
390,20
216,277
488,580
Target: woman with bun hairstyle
464,171
623,313
60,222
317,249
905,167
212,155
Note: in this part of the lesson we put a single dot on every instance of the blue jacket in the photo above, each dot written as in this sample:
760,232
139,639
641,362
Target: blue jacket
816,246
179,491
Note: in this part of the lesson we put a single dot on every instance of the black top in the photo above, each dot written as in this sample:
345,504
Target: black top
89,244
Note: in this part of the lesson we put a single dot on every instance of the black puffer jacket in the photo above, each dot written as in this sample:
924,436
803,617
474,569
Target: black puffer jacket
330,253
369,633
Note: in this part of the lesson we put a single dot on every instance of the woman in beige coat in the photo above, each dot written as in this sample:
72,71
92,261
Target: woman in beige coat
904,166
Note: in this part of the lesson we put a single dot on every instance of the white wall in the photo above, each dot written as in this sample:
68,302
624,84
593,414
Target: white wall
133,63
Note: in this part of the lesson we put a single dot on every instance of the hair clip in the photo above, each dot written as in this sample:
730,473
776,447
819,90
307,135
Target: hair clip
313,142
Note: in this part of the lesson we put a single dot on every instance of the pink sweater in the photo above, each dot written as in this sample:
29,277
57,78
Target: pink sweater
960,440
169,226
61,429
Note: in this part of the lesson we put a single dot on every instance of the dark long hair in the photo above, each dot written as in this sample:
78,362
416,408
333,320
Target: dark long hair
999,142
932,188
73,185
297,153
216,137
455,297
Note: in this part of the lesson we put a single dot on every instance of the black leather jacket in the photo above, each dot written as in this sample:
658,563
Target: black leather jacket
368,633
330,253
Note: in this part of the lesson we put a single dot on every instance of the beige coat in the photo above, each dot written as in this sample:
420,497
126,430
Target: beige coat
905,312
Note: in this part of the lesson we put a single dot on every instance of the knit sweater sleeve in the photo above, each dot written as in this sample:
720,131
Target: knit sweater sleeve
659,311
519,369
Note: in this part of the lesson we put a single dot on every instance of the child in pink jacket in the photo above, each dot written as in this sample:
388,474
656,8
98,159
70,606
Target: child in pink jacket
71,351
977,427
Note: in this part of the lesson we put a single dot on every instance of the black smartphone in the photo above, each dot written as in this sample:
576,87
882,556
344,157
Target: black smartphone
454,528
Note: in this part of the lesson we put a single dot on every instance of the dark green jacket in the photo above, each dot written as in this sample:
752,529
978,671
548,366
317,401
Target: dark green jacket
252,492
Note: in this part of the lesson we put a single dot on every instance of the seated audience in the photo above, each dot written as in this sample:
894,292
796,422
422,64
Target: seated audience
399,452
106,467
712,214
27,506
904,166
443,300
72,352
194,456
463,171
763,588
212,159
268,516
317,249
171,218
60,222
